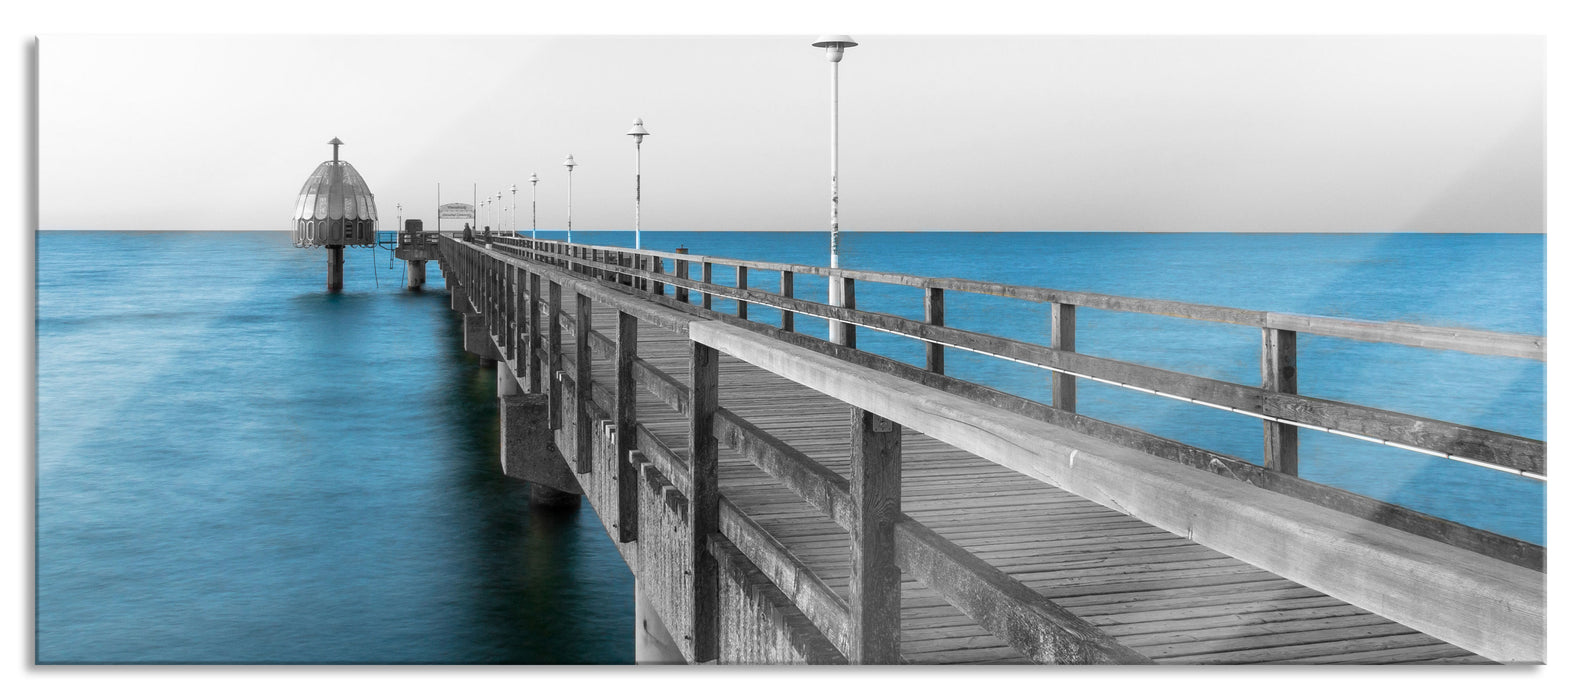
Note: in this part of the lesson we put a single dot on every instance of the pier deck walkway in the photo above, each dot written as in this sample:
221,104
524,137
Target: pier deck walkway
783,499
1167,597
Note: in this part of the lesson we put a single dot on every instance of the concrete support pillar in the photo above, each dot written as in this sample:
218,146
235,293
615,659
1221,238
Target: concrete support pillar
458,299
654,644
527,451
505,381
475,338
416,273
337,260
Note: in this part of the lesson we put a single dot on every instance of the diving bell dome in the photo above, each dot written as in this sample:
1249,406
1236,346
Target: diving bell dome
335,206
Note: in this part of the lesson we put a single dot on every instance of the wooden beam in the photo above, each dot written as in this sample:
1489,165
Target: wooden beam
1021,617
584,359
803,588
682,274
813,482
535,331
741,283
552,313
708,278
934,315
788,291
1063,337
625,427
875,489
1278,367
704,519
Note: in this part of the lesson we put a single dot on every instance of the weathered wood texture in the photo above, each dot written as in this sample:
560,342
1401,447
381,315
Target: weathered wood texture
1172,600
1490,607
1508,451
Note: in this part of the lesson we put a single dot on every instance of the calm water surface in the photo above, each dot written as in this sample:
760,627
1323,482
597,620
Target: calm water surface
236,467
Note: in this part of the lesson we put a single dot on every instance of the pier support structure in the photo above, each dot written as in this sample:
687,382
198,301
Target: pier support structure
653,644
416,273
337,261
528,452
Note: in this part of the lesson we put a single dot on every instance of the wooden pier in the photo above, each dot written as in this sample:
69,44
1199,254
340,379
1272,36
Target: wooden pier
785,499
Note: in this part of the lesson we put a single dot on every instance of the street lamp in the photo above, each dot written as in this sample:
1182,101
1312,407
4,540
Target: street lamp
499,211
488,213
834,46
534,181
637,133
570,163
514,232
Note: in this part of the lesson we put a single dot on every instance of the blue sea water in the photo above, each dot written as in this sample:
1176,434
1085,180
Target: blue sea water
237,467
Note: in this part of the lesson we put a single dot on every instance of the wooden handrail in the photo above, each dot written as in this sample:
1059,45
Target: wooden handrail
1473,341
1514,453
666,313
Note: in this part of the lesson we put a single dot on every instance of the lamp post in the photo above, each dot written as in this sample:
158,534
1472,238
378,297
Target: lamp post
834,46
570,163
534,181
488,213
514,232
637,133
499,211
399,223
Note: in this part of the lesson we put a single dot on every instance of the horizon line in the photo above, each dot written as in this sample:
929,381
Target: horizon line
851,231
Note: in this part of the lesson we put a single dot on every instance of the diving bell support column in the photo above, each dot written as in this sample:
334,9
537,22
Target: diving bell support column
337,261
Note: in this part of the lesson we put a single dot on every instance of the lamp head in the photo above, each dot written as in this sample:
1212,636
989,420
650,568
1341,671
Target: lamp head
834,46
570,163
637,131
533,179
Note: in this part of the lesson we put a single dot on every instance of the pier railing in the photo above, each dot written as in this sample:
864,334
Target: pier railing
724,587
1276,401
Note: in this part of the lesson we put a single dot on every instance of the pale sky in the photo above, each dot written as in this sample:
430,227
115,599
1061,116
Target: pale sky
1060,133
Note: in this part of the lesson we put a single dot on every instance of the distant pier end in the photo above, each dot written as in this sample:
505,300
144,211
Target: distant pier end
335,209
416,247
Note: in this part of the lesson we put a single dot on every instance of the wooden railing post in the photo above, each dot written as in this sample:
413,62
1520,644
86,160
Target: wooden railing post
704,511
625,426
741,283
534,337
876,503
509,309
584,384
708,278
846,333
1063,336
521,322
552,372
681,271
487,307
934,315
658,266
1279,374
788,291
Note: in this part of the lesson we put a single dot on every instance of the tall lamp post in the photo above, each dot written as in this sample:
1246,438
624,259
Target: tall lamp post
570,163
637,133
834,46
534,181
514,232
499,211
